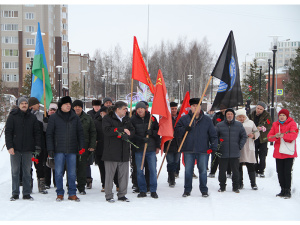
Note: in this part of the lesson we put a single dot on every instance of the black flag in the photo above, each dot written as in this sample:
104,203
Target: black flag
227,70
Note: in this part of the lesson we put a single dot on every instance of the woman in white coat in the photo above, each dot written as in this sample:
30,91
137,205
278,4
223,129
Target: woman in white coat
248,152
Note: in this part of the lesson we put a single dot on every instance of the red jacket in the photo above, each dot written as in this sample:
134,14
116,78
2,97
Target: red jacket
289,125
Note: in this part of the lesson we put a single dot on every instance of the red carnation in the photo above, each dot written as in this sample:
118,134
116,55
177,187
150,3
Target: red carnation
116,129
209,151
118,136
83,150
36,161
153,119
32,159
221,139
268,121
219,120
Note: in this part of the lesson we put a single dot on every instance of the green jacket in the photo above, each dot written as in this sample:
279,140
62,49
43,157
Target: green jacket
89,131
263,121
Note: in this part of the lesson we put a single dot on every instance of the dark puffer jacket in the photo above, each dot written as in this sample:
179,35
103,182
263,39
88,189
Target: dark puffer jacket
202,137
64,136
116,149
234,136
100,135
22,131
141,126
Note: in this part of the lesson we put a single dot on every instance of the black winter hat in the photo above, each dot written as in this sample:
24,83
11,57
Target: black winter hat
173,104
140,105
194,101
146,103
77,103
230,110
96,102
33,101
64,100
104,109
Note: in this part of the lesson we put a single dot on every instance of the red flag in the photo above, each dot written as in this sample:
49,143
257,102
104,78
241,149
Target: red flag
161,106
185,107
139,69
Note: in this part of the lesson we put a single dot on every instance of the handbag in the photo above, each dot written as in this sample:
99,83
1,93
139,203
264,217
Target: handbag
286,147
50,163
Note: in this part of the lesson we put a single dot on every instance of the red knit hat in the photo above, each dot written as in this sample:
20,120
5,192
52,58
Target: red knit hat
285,112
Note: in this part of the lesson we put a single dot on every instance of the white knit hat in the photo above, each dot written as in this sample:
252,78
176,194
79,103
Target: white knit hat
240,112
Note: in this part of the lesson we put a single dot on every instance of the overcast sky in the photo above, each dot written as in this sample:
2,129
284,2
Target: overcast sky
105,26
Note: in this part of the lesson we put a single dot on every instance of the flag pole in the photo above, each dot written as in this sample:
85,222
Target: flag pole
146,144
131,98
44,87
195,113
164,158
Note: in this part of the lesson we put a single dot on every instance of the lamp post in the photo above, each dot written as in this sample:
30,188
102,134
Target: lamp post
58,71
83,72
190,77
115,80
259,83
178,91
103,78
31,51
275,38
269,62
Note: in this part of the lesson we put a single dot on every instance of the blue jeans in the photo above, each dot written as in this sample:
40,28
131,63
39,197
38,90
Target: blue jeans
151,159
70,159
172,160
189,161
15,161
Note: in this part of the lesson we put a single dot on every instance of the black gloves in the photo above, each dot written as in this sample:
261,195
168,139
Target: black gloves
149,132
145,140
45,119
125,137
188,129
51,154
37,150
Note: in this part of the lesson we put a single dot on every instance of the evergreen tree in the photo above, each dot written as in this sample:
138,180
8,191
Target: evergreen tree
292,90
76,90
250,87
26,89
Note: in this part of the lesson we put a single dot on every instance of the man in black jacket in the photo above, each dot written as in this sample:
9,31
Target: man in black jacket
232,137
140,121
64,138
22,136
117,129
96,107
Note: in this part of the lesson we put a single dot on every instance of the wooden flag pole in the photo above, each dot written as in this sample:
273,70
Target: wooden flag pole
195,113
131,98
44,87
164,157
146,144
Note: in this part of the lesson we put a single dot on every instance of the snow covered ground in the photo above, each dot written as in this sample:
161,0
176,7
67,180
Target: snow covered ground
248,205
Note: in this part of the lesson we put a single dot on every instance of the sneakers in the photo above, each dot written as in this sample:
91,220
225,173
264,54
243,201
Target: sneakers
205,194
287,193
14,197
142,195
82,193
28,197
236,190
59,198
74,198
154,195
211,175
221,190
110,200
102,190
195,176
254,187
123,199
186,194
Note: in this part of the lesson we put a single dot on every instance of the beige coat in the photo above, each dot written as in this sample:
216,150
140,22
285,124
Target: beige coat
248,151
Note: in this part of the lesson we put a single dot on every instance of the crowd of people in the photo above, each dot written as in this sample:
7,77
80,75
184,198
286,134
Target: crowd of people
106,135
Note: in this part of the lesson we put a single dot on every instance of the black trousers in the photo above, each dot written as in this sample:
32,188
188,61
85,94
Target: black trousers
102,171
214,166
40,166
251,172
284,171
261,151
234,165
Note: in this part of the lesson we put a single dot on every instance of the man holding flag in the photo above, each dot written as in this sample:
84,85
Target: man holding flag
200,141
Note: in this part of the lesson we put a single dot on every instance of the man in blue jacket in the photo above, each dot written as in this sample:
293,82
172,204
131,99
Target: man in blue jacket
233,138
201,137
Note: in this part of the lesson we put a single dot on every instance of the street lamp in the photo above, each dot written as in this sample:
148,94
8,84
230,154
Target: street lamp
103,78
83,72
31,64
115,80
190,77
269,62
259,83
58,71
178,91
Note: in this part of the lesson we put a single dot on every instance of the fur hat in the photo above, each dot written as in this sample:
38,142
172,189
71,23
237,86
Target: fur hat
96,102
140,105
173,104
21,99
106,99
194,101
64,100
240,112
77,103
285,112
33,101
261,103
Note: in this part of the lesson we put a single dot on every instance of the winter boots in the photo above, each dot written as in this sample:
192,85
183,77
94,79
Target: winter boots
89,182
171,179
41,186
285,193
